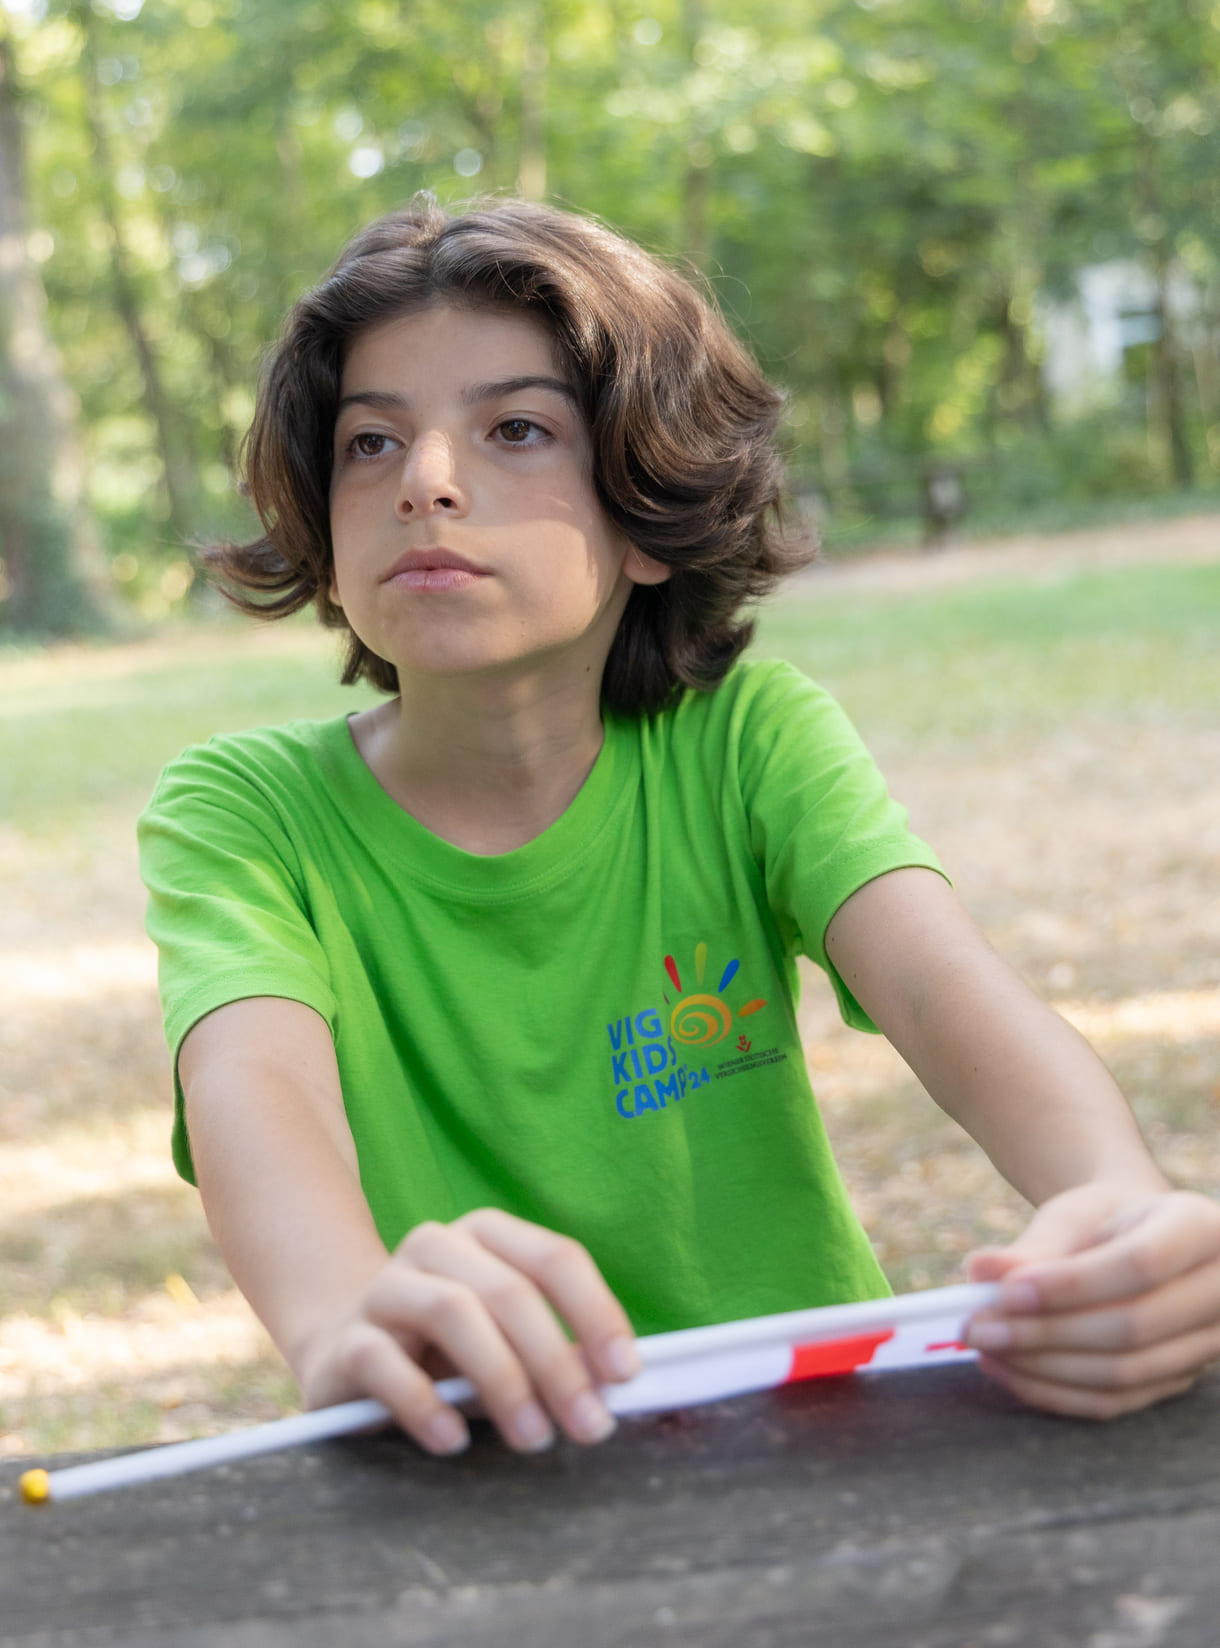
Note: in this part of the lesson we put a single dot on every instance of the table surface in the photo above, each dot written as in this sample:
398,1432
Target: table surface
918,1510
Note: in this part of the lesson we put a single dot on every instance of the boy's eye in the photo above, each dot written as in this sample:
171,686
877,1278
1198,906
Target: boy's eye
368,444
517,431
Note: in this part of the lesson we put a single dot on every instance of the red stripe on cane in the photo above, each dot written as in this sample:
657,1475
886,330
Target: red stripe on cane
835,1355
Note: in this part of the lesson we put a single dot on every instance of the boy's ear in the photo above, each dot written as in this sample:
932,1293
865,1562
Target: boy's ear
642,569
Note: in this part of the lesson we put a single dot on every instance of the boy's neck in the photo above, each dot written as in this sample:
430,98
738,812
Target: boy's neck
481,770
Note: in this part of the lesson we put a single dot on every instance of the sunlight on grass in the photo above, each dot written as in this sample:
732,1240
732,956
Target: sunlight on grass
158,1374
79,972
1173,1015
1006,660
84,1158
80,727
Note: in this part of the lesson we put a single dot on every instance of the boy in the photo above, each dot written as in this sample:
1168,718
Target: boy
483,1002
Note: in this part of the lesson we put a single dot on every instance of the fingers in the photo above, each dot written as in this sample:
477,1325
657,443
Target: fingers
482,1295
1065,1225
1081,1401
565,1273
1084,1367
1126,1313
1094,1366
1139,1248
494,1324
374,1363
1183,1306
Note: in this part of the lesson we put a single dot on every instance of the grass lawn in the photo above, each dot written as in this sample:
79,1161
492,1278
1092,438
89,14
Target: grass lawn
1051,718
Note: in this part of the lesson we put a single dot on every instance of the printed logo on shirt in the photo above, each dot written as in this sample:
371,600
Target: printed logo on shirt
650,1051
701,1020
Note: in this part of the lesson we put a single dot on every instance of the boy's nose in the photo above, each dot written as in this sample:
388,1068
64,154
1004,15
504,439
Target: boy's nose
429,479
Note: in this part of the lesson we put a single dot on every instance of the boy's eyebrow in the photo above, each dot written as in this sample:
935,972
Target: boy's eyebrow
514,386
384,398
473,395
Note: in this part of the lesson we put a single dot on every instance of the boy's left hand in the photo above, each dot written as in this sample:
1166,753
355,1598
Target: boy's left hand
1110,1300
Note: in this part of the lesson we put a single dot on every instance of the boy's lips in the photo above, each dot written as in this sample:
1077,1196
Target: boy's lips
433,560
433,569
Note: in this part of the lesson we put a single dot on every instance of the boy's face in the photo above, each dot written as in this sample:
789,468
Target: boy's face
468,538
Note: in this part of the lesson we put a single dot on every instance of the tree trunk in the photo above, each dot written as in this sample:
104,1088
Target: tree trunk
1166,411
1167,382
52,580
176,467
895,358
1018,391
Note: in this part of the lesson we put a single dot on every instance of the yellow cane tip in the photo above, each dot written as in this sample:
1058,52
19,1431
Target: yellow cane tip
35,1487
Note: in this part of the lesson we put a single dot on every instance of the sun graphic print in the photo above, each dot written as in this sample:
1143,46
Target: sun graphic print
702,1019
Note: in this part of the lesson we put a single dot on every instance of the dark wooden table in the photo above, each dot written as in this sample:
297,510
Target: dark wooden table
918,1510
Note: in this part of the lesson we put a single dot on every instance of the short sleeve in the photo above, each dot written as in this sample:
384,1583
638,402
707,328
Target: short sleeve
227,902
822,820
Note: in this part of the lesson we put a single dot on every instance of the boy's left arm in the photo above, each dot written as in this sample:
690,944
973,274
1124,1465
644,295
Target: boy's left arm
1111,1297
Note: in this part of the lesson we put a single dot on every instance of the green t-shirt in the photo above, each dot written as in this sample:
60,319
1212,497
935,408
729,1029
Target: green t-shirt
596,1031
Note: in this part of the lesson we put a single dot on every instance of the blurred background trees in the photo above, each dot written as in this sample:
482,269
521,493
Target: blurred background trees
980,237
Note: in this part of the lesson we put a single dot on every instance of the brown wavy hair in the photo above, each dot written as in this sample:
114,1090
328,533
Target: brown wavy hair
683,426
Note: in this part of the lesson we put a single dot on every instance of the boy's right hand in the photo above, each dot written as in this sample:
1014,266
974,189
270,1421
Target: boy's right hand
481,1297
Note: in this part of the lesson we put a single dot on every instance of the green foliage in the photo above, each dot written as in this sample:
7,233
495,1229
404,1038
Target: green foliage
884,195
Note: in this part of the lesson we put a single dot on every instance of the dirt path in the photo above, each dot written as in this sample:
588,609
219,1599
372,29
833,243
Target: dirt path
1190,539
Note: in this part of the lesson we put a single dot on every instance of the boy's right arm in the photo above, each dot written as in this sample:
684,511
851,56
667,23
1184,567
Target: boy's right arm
278,1174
